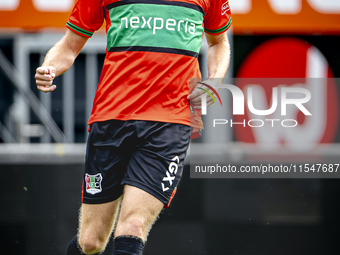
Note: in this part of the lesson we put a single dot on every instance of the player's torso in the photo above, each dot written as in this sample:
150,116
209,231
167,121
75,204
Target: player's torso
152,51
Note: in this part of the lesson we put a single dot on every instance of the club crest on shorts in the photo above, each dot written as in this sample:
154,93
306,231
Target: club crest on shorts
93,183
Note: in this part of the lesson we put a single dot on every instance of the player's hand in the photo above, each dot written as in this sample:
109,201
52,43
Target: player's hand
44,78
195,96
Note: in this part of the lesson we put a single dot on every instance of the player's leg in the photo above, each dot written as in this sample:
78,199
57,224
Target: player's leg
96,222
139,210
151,179
106,159
95,226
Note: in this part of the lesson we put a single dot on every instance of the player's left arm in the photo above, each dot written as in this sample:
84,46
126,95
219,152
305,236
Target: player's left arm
218,64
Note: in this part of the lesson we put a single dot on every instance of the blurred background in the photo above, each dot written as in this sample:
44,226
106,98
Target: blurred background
42,138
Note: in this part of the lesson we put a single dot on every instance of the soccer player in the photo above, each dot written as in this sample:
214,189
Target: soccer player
139,127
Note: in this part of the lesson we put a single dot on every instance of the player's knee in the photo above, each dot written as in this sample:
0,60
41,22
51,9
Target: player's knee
90,244
136,225
133,224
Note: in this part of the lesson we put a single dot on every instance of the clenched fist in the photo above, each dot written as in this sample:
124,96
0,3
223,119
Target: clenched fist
44,78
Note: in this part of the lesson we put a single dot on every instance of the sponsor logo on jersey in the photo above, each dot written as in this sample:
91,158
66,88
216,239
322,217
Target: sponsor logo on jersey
156,23
156,26
225,7
93,183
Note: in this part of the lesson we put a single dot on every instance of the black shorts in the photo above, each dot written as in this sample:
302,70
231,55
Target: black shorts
145,154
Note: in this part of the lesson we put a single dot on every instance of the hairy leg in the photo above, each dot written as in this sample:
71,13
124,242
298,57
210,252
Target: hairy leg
138,211
96,222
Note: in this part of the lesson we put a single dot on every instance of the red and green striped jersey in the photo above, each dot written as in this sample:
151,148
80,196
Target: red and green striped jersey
152,51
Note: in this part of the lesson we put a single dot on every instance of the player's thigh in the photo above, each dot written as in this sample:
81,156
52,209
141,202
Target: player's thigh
139,208
96,220
156,165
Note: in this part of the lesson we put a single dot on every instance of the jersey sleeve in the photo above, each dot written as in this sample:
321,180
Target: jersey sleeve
87,17
217,19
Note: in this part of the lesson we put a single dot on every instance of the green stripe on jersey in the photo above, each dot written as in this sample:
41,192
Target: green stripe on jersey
78,29
152,25
220,29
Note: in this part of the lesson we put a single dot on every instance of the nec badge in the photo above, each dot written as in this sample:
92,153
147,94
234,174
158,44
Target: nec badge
93,183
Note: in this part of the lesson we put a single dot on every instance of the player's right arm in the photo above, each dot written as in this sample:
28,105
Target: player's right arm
58,60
